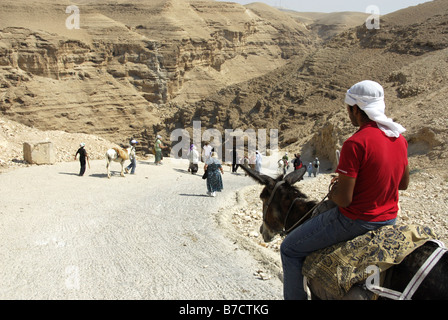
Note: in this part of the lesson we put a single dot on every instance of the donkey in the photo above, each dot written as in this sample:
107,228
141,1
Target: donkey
117,155
286,207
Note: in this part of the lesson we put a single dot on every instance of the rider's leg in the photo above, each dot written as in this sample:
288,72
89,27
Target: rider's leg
322,231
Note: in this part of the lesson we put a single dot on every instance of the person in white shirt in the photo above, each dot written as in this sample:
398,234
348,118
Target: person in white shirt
258,160
206,151
193,157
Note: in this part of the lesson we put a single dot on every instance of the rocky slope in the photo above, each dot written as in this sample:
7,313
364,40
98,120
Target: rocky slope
304,99
130,63
135,69
14,134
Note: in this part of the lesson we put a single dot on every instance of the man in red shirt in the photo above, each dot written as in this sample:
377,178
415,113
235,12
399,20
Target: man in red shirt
373,166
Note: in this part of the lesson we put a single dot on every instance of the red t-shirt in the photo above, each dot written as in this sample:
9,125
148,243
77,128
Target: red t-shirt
378,163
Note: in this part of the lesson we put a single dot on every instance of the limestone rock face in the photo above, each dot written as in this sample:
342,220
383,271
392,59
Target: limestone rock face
131,63
39,153
305,98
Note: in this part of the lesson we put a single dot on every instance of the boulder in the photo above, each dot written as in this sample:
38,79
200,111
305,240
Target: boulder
39,153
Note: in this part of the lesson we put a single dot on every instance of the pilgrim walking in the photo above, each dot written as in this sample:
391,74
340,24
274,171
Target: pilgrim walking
158,146
133,163
83,156
193,158
214,179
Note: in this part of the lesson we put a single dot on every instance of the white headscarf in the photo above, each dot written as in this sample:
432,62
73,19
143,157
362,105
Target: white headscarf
369,96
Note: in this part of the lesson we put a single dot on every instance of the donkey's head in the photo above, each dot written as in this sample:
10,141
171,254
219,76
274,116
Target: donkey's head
278,195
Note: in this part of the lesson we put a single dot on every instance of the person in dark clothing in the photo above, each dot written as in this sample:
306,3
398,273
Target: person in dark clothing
297,162
82,158
235,164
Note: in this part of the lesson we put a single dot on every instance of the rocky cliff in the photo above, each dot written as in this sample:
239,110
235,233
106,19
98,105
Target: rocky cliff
304,99
130,64
145,67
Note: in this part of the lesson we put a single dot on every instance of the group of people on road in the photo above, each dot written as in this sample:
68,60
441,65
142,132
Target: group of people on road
311,168
213,169
212,165
158,147
253,161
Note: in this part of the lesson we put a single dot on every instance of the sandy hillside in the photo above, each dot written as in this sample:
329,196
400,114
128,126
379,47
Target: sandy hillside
13,135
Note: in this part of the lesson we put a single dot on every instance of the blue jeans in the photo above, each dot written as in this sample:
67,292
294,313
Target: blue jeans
132,166
324,230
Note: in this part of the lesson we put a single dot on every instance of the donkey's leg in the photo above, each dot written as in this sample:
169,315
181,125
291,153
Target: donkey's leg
122,168
107,167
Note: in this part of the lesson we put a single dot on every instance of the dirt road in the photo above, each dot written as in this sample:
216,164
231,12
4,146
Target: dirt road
153,235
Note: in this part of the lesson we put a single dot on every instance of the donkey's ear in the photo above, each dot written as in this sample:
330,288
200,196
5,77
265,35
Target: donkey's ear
295,176
260,178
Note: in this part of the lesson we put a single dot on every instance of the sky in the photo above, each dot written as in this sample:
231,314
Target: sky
384,6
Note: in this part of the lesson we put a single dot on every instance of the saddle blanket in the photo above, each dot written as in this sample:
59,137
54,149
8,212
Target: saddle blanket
339,267
123,154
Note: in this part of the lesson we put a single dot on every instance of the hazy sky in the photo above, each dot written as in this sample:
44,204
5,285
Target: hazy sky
385,6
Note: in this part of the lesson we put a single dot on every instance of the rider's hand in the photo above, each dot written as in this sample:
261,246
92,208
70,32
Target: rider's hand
334,180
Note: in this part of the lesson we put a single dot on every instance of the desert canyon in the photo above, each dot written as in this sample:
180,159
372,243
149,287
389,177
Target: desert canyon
141,68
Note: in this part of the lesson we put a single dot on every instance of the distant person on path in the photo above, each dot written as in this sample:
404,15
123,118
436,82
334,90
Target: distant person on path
309,168
133,163
206,151
83,156
246,163
252,160
258,161
158,146
316,166
193,158
214,178
235,162
297,162
373,166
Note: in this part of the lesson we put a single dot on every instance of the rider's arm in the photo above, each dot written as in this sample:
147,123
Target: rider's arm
342,191
404,180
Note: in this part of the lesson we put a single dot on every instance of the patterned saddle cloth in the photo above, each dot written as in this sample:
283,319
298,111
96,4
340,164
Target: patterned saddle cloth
339,267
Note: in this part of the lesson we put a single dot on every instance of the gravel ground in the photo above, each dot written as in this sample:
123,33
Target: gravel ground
153,235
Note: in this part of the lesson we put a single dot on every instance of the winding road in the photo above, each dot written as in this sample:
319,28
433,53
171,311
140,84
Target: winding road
150,236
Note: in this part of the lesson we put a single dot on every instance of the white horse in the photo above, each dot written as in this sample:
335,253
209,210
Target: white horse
117,155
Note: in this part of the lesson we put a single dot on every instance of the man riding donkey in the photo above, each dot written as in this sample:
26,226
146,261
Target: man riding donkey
373,166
